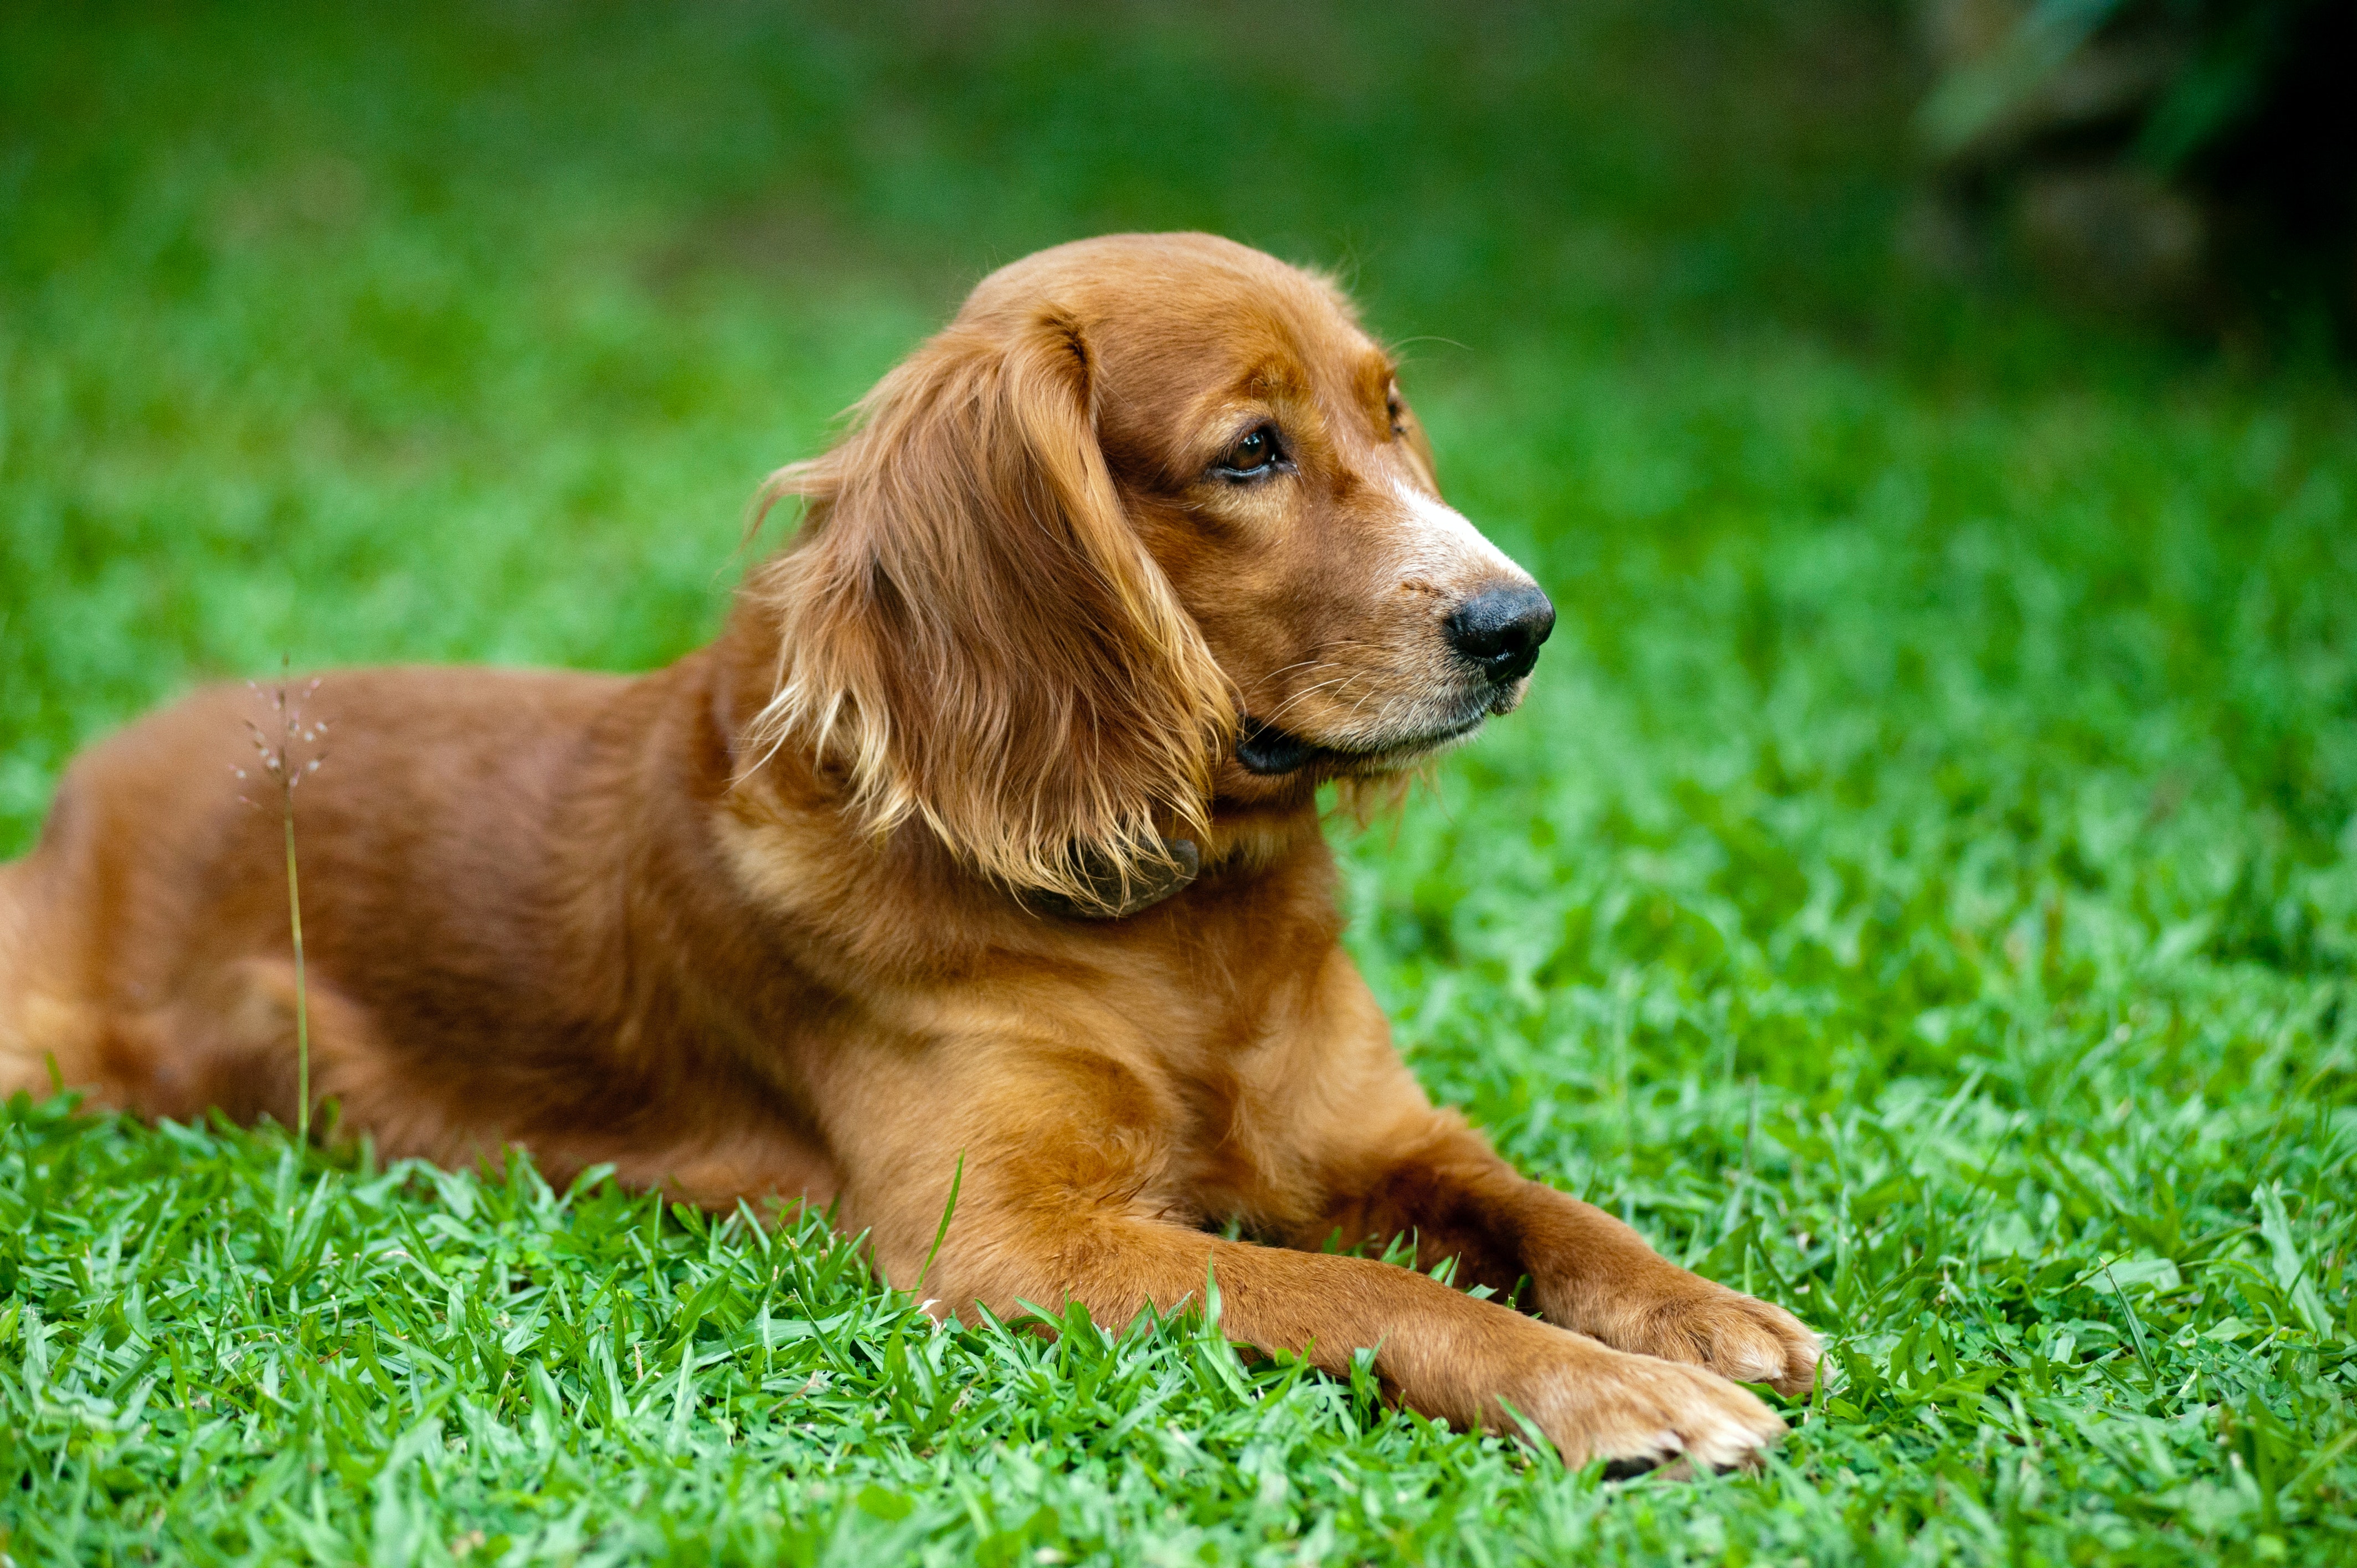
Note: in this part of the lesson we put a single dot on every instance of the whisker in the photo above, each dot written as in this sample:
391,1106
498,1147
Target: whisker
1306,692
1288,669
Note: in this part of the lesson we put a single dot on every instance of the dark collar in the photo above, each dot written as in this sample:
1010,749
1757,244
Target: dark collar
1119,896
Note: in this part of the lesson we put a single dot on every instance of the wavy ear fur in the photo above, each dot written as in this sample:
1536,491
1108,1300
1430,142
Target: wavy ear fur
970,628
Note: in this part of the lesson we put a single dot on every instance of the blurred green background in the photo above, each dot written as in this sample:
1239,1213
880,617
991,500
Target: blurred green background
1922,875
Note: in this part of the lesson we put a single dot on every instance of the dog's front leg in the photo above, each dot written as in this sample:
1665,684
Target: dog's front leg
1430,1175
1059,1164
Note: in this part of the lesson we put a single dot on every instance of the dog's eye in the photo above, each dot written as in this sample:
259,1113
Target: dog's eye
1399,415
1253,457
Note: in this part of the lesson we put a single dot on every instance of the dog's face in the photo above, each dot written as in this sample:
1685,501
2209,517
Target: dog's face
1149,523
1268,459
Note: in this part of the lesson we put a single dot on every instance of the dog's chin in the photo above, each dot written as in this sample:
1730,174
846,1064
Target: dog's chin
1509,697
1273,752
1406,755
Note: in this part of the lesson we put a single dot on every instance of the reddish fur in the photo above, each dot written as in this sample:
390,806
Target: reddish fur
763,924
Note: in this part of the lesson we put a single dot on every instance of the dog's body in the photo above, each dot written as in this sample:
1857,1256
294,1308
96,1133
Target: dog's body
973,850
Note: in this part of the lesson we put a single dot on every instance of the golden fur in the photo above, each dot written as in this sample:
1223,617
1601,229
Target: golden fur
985,837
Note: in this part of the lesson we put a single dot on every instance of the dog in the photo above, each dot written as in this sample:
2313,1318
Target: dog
979,854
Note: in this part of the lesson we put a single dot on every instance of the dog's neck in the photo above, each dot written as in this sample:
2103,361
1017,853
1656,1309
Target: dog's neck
1255,822
1244,837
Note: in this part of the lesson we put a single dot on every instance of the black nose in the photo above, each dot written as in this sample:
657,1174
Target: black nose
1501,630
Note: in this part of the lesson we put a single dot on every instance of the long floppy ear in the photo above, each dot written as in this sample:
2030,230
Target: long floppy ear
971,629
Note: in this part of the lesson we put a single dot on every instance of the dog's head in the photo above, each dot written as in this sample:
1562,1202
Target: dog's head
1151,523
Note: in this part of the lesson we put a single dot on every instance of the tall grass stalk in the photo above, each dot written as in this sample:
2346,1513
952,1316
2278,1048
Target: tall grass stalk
302,993
286,768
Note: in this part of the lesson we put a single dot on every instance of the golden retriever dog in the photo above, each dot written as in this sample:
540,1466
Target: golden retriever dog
982,848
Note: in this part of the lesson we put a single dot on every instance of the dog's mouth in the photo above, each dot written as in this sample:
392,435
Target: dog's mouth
1273,752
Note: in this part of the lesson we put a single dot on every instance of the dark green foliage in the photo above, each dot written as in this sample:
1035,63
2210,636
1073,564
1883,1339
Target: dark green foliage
2224,67
1919,888
2241,105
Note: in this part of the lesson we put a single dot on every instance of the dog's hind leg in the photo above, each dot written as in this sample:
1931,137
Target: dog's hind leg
226,1043
39,1031
232,1045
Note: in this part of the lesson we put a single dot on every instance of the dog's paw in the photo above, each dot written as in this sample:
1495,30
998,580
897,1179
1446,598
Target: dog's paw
1734,1335
1635,1411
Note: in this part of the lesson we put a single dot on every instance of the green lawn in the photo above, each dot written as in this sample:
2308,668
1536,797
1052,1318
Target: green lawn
1921,888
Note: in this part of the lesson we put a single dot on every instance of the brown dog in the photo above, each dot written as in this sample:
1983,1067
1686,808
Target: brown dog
983,840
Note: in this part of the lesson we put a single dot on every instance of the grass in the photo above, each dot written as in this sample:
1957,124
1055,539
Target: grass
1922,887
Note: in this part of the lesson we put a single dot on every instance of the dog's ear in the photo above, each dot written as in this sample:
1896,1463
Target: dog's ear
971,629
